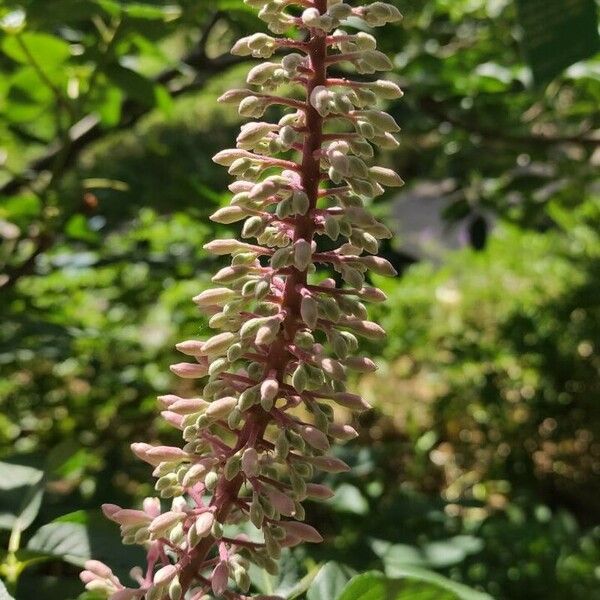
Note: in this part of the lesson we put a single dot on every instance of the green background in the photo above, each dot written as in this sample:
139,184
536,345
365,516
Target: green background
480,460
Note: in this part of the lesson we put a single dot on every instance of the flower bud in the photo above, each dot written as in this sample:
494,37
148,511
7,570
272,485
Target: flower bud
250,465
362,364
98,568
329,464
216,296
316,438
163,523
204,523
226,158
387,90
211,481
300,202
154,455
165,575
228,214
190,347
351,401
175,590
300,378
219,578
379,265
342,432
219,343
261,73
220,408
386,177
282,502
302,254
189,370
234,96
252,106
302,531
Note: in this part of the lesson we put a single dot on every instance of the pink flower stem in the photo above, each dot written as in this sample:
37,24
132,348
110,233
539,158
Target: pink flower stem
226,494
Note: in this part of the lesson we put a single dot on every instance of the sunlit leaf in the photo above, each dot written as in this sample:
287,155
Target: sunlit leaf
43,48
21,492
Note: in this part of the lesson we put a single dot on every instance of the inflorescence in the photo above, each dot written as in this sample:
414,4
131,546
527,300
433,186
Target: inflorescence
263,421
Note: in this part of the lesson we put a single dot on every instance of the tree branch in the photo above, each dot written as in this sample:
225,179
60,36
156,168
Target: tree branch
437,110
89,129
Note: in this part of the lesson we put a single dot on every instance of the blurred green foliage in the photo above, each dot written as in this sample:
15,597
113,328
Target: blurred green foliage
481,458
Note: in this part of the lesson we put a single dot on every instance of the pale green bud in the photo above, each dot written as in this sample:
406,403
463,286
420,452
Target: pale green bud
309,311
300,202
261,73
211,480
234,418
256,512
302,254
252,106
282,257
249,462
232,467
228,214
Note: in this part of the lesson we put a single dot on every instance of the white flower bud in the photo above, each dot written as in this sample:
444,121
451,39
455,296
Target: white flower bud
189,370
226,158
228,214
387,90
379,265
261,73
386,177
251,133
316,438
163,523
221,407
339,11
234,96
377,60
204,523
219,343
291,62
381,120
215,296
300,202
165,575
252,106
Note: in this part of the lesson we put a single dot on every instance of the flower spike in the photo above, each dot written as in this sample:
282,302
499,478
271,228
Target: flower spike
261,422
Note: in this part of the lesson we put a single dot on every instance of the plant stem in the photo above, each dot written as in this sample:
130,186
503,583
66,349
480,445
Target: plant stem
279,356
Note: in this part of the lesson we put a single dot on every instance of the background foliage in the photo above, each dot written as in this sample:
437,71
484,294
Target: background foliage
481,458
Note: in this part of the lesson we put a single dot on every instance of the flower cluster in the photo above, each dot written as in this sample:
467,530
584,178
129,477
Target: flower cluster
262,423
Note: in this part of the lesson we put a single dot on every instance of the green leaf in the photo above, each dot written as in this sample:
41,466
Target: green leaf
82,535
397,554
77,228
417,584
21,491
349,499
135,85
137,10
329,582
45,49
460,591
20,209
107,104
367,586
435,554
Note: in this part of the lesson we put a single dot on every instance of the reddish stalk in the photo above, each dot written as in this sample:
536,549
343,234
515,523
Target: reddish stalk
227,492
